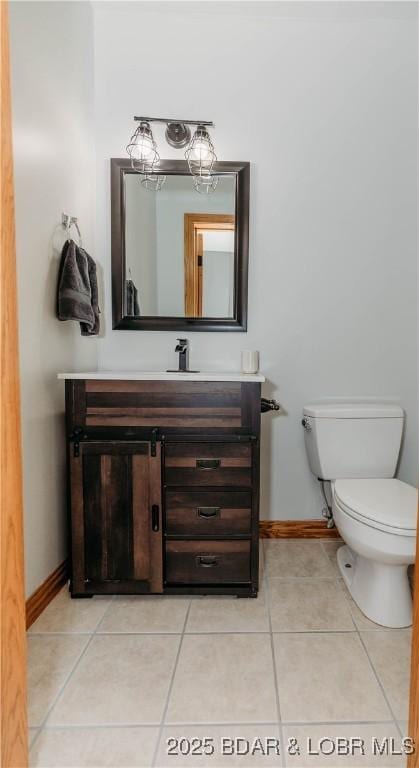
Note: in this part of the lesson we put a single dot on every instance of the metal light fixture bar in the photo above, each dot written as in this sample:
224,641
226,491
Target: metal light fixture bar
200,154
166,120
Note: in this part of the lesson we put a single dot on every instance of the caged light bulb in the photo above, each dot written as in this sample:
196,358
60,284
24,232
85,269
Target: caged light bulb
200,153
142,148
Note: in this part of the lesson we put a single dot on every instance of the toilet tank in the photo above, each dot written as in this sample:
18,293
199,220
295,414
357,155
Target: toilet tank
352,439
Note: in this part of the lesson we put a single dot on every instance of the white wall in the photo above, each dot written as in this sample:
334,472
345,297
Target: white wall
322,99
52,93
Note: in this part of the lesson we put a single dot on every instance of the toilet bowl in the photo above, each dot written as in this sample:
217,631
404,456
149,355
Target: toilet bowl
355,446
377,520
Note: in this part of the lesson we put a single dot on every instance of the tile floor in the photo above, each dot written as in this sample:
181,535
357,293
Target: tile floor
118,681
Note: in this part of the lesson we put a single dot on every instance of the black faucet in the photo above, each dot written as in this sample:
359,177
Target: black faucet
183,348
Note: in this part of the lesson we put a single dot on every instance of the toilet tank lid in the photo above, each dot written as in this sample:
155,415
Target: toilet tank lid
356,410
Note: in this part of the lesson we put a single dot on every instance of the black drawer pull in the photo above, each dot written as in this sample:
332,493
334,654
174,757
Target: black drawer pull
155,517
206,561
208,463
208,512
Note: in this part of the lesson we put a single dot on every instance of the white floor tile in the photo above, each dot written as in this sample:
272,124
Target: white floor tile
229,614
64,614
223,678
122,679
145,614
51,658
94,748
307,605
390,655
326,677
296,558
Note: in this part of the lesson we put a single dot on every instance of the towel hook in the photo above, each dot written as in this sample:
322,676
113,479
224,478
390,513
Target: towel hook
68,222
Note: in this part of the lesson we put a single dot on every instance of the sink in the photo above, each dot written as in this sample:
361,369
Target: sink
164,375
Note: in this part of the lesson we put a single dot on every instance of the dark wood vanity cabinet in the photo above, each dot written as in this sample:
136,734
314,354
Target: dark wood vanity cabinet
163,486
115,513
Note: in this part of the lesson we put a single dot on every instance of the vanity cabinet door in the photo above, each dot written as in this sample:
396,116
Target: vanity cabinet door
116,518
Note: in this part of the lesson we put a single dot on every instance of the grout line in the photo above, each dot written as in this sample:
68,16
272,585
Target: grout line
303,578
99,726
363,644
378,680
376,627
220,632
31,741
217,724
278,705
61,689
69,676
347,594
385,630
289,723
191,634
62,633
169,690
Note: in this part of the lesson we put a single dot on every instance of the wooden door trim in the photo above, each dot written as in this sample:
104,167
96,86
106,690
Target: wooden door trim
413,729
194,223
13,719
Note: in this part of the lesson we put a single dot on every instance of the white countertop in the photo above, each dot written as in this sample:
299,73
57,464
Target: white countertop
164,376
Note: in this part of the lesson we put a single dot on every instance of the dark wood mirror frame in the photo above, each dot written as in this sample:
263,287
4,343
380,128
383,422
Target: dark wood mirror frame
122,321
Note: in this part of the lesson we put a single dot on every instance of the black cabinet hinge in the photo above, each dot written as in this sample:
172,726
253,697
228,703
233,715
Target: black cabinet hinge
75,437
154,438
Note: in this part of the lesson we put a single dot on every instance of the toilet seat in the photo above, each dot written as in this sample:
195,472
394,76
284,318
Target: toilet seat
385,504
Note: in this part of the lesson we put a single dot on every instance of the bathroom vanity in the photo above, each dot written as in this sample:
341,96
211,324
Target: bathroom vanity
163,476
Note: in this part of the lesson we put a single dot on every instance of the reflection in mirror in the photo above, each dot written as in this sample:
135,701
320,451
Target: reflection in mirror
179,249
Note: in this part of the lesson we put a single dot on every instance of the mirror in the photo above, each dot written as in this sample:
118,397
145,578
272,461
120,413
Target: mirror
179,258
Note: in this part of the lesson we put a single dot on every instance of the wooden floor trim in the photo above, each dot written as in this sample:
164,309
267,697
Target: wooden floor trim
296,529
42,596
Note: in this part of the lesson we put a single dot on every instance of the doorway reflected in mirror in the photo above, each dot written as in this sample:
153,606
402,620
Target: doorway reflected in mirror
209,265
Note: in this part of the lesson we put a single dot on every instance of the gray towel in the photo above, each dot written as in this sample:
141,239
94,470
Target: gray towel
133,305
77,295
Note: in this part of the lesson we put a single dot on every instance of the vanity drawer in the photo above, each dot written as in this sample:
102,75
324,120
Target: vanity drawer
207,562
208,513
208,464
191,405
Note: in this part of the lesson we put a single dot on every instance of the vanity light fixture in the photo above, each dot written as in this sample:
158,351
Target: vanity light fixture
178,135
201,158
142,150
200,153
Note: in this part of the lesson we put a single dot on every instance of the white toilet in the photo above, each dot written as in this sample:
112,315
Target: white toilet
356,446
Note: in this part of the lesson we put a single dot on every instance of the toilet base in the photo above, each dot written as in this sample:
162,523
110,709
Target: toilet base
380,590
